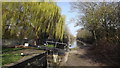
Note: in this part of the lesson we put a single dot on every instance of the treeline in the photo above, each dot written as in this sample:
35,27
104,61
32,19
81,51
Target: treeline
68,36
102,22
85,36
32,20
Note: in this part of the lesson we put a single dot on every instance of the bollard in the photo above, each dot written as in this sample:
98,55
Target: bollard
55,58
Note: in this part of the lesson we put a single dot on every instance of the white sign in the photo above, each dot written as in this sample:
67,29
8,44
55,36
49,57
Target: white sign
26,44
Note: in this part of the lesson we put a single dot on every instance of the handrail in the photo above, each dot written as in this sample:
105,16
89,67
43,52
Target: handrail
56,42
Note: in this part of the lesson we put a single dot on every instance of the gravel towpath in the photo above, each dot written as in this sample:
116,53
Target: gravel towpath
77,58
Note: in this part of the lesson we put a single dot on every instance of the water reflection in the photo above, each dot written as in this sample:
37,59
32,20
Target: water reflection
73,45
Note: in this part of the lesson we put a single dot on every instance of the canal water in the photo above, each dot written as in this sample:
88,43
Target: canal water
73,44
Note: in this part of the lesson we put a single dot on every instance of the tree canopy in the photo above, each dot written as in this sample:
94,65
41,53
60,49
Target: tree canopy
32,20
101,19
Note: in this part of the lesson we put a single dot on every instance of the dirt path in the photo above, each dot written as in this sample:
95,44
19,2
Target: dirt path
77,58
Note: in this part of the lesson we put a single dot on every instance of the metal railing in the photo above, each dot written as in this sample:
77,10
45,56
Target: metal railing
64,45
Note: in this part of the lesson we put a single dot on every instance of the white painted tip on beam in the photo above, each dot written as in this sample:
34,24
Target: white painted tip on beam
26,44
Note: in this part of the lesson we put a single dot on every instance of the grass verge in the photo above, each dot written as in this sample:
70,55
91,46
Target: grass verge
50,46
8,56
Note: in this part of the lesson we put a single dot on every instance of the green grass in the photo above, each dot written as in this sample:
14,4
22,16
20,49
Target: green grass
50,46
10,49
8,56
11,55
0,61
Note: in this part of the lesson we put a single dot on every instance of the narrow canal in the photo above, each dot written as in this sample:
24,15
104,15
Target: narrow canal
73,45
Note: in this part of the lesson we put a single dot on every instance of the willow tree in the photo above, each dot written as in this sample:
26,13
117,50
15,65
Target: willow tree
32,20
60,29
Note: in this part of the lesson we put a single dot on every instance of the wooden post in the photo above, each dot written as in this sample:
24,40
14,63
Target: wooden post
45,62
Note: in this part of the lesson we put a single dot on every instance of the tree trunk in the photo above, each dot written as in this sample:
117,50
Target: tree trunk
94,35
